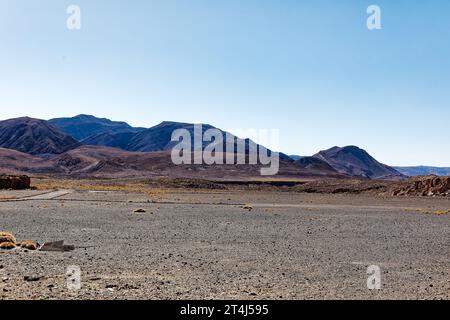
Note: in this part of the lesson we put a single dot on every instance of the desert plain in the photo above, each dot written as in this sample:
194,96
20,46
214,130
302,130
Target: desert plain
224,244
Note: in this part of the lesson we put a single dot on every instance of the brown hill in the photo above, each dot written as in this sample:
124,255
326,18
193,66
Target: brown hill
33,136
357,162
16,162
103,162
90,161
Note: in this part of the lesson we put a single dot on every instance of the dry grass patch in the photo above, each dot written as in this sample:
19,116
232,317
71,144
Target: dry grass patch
8,241
7,198
101,185
434,212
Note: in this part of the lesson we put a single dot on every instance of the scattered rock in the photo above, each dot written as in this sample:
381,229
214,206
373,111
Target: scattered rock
425,186
32,278
56,246
247,207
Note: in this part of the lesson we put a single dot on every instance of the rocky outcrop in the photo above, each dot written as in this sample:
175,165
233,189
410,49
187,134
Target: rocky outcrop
14,182
424,186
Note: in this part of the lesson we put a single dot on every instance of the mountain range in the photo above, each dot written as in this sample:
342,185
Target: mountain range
423,171
88,146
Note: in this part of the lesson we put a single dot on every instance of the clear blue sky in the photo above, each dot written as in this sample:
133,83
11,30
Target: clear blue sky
309,68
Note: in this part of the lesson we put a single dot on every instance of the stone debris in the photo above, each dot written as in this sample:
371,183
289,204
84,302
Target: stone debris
14,182
8,241
425,186
57,246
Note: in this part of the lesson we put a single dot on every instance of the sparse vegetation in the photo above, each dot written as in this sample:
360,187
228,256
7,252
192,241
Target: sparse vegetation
28,244
99,185
7,245
7,237
8,241
434,212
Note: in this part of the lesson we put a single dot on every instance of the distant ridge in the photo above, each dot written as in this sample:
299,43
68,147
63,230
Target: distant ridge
423,171
85,126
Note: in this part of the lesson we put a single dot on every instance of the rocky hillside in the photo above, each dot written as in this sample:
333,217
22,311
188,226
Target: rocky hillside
357,162
423,186
34,136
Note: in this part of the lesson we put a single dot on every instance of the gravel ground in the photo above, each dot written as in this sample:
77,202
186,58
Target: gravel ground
204,245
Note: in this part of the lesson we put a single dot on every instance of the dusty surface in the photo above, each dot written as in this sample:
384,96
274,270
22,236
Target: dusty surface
204,245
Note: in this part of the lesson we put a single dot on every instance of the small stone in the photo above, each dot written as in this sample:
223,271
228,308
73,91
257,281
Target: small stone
32,279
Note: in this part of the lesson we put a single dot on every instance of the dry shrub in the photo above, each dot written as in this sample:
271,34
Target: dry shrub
7,237
28,244
7,245
100,185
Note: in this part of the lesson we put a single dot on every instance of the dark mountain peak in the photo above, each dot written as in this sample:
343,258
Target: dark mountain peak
179,125
87,117
93,119
34,136
85,126
357,162
347,149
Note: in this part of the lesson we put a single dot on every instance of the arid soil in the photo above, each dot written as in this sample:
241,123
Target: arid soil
224,244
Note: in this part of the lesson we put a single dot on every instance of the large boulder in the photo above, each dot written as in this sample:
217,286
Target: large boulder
14,182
